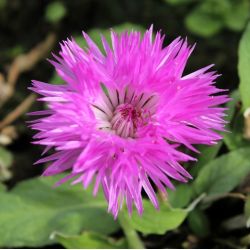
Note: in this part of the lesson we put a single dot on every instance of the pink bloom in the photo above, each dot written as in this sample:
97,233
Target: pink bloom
122,115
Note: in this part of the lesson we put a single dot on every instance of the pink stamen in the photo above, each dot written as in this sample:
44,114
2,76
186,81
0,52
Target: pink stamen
128,116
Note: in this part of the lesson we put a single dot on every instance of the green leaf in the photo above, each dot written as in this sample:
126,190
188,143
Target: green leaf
2,187
34,209
238,221
179,2
55,11
224,173
210,16
234,139
198,222
157,221
247,211
6,160
2,4
204,20
180,197
203,24
236,17
232,104
89,240
243,67
207,153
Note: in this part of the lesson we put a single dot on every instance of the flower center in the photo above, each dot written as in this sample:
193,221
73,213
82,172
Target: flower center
126,119
123,112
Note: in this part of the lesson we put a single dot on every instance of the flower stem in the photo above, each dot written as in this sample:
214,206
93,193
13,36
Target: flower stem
133,239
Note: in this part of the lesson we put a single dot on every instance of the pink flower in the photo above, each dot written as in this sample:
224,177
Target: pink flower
122,115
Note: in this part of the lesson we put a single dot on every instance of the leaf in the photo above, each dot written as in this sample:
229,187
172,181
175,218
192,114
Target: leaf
244,66
157,221
89,240
210,16
207,153
232,104
234,138
33,210
2,4
2,187
181,196
204,20
236,222
203,24
55,11
179,2
198,222
245,241
224,173
6,160
247,211
236,17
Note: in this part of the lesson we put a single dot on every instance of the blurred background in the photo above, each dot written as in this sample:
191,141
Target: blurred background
212,211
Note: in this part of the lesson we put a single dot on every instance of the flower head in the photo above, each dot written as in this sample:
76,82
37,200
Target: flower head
121,116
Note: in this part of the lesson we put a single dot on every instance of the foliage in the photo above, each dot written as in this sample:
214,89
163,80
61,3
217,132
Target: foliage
199,223
244,64
224,173
212,210
158,222
37,210
89,240
210,16
55,11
